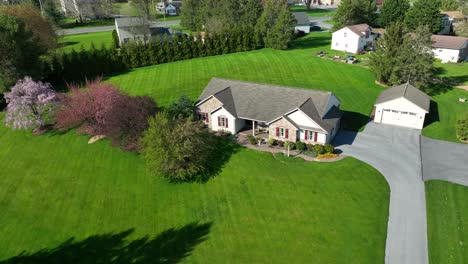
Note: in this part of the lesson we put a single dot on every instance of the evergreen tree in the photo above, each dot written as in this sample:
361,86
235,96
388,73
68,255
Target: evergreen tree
393,11
424,13
351,12
383,61
450,5
415,63
280,35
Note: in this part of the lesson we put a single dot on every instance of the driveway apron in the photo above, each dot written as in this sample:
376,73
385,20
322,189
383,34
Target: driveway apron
395,152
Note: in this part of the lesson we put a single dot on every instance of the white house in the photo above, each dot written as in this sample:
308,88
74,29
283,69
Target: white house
171,10
353,39
450,48
402,105
282,113
302,22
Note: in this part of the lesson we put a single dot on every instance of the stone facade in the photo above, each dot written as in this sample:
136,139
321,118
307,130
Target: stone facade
282,122
209,106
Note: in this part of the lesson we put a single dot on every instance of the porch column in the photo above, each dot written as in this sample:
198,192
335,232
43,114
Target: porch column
253,128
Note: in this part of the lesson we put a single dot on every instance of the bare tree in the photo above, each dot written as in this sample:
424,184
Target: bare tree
144,6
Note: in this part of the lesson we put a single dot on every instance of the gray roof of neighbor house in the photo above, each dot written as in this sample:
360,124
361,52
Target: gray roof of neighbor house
407,91
301,18
265,102
448,42
130,27
359,28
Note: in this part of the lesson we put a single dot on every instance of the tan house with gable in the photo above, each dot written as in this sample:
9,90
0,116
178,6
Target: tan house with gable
283,113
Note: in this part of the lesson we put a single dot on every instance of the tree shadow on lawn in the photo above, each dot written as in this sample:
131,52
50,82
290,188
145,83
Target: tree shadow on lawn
310,41
224,147
170,246
445,84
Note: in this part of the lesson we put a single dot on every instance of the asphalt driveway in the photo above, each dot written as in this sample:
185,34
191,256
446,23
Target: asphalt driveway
395,152
85,30
444,160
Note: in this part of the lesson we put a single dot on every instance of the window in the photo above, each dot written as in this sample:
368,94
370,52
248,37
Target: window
203,117
223,122
345,34
310,135
413,114
282,132
336,44
346,45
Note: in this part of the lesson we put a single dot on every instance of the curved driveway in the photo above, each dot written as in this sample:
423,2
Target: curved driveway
395,152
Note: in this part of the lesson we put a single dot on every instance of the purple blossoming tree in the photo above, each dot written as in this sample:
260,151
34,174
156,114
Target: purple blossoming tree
29,103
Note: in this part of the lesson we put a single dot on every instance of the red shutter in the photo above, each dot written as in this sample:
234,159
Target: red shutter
199,116
315,136
306,134
277,131
287,133
219,121
227,123
206,117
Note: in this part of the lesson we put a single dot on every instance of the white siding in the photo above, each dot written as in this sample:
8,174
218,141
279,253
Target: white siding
345,40
232,124
446,55
321,138
396,118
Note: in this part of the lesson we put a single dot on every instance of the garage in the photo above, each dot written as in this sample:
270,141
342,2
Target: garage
403,105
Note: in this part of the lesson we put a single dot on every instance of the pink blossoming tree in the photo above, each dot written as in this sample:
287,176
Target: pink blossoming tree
29,104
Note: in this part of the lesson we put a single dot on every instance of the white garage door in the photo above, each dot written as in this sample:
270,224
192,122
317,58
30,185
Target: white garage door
399,118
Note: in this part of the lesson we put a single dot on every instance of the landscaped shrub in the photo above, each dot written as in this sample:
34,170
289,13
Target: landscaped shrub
280,143
178,149
300,146
272,142
310,147
183,107
329,148
462,128
311,154
290,145
115,39
252,140
327,156
30,104
102,109
319,149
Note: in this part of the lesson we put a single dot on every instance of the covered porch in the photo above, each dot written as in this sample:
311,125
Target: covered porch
255,128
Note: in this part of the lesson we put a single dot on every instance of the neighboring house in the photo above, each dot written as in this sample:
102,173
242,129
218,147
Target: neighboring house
402,105
354,39
326,2
302,22
450,48
138,29
171,10
448,19
282,113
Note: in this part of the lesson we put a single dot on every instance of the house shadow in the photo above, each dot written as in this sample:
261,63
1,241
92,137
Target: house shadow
433,115
170,246
354,121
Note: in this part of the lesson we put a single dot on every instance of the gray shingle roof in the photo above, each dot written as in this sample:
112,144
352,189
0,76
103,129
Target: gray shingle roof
448,42
301,18
407,91
359,29
264,102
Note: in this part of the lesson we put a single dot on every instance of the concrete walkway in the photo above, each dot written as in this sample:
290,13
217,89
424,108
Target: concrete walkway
395,152
73,31
444,160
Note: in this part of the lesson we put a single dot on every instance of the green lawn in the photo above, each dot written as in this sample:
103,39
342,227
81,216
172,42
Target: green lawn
458,72
81,203
449,110
70,42
314,12
447,213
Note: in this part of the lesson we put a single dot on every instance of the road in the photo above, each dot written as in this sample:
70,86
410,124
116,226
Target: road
73,31
320,21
